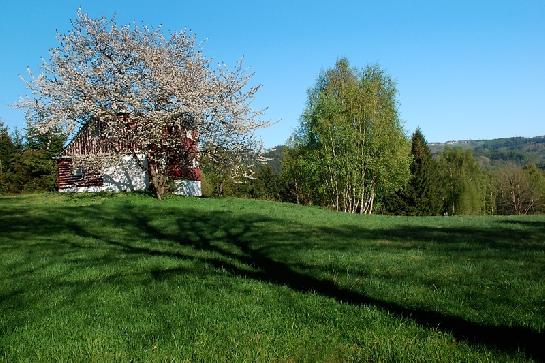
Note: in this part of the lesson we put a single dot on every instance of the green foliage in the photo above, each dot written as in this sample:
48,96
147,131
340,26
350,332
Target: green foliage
214,177
11,147
264,184
219,181
422,194
424,185
445,183
350,146
464,184
7,153
498,152
26,164
520,190
455,183
129,278
34,170
299,167
536,178
7,147
274,157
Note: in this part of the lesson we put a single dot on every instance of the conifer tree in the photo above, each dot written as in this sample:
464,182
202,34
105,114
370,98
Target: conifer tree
423,191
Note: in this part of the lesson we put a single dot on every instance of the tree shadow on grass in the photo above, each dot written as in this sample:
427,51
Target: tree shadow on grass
537,225
240,245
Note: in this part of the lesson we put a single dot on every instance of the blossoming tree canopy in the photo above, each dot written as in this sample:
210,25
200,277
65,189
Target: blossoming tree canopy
100,70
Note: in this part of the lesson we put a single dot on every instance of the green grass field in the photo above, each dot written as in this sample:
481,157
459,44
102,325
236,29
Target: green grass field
124,278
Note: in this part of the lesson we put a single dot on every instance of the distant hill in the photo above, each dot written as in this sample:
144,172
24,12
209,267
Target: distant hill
274,157
519,150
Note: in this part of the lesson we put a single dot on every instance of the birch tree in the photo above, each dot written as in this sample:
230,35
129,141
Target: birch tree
353,137
100,69
520,190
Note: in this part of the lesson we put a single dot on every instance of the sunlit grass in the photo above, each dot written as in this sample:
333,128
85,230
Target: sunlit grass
127,277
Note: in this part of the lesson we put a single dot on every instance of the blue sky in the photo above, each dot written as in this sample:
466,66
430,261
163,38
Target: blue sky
464,69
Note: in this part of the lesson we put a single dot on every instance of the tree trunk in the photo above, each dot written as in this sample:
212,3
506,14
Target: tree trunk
158,180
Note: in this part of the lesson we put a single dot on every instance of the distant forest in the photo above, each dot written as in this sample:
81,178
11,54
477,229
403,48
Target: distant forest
488,153
496,152
498,176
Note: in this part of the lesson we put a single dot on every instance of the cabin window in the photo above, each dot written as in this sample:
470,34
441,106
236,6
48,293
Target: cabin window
77,172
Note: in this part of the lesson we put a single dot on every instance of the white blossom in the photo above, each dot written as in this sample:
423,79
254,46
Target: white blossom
100,69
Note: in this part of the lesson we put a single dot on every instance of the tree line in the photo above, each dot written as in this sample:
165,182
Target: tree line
453,182
519,150
351,154
449,183
26,160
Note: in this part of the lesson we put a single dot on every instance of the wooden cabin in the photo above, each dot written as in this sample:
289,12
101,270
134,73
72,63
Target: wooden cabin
131,170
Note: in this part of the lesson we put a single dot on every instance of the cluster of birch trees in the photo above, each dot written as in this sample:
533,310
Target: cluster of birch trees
351,154
350,146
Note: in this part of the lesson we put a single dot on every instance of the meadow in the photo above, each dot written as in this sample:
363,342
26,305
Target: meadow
128,277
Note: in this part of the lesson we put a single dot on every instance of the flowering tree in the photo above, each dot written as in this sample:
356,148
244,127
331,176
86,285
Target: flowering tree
100,70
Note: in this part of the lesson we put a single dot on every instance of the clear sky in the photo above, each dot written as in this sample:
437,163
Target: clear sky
464,69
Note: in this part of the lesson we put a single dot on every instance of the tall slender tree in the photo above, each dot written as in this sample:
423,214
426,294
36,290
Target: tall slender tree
423,189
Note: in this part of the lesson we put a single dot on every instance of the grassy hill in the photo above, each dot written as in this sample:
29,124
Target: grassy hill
133,278
519,150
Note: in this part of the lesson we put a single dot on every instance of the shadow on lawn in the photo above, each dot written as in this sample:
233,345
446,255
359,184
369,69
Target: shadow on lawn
241,245
538,225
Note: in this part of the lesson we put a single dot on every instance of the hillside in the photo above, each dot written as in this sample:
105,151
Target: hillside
274,157
519,150
131,278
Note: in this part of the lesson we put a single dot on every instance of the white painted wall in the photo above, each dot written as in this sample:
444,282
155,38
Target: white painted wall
128,176
124,176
